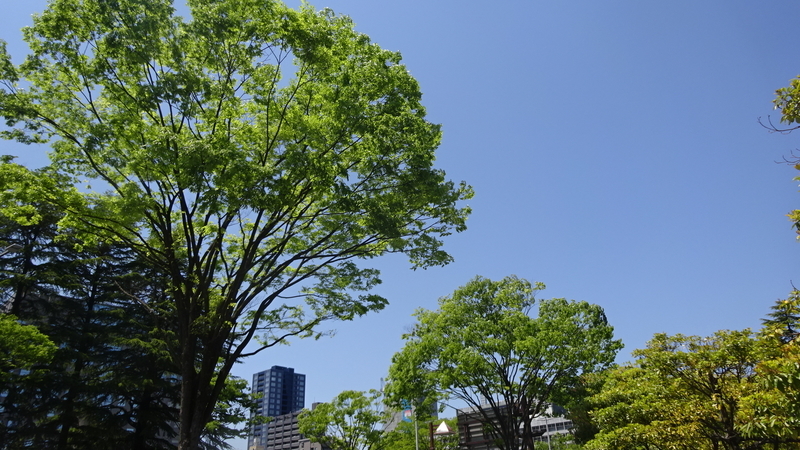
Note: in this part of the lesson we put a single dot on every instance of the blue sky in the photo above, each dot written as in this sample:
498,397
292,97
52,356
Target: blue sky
616,156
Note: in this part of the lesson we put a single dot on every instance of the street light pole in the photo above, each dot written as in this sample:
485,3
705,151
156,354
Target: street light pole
547,430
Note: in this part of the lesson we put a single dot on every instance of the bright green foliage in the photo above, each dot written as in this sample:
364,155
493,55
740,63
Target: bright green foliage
685,392
627,411
416,435
775,408
251,154
733,390
21,347
352,421
787,100
482,344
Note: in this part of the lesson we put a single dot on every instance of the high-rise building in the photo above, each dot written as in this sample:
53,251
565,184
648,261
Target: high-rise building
283,392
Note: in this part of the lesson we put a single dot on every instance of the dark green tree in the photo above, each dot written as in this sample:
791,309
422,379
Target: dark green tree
784,320
106,384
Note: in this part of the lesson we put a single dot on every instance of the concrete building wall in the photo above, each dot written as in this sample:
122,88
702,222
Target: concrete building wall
473,437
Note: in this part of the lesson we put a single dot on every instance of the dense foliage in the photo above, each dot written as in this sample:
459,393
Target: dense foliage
250,155
735,390
416,434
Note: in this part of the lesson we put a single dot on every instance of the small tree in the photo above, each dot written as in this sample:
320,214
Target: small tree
483,348
415,435
353,420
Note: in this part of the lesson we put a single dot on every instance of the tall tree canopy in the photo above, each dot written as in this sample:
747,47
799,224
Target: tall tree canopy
251,153
483,348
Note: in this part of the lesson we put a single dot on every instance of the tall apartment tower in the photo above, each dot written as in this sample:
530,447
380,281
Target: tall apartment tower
283,392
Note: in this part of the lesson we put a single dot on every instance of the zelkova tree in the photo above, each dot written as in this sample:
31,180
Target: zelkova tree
252,153
482,347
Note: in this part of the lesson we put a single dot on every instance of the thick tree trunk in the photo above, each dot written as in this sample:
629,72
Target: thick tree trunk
201,385
189,438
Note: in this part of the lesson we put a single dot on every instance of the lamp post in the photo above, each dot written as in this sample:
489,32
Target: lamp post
547,430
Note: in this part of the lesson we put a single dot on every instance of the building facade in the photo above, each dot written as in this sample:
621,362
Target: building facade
473,435
282,396
281,433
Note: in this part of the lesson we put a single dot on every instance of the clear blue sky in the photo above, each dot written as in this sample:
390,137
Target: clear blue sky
615,154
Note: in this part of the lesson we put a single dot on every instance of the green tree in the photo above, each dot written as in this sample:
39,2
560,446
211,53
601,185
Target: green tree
28,221
686,392
784,320
580,407
106,385
632,410
252,154
774,408
415,435
483,348
233,408
563,441
353,420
